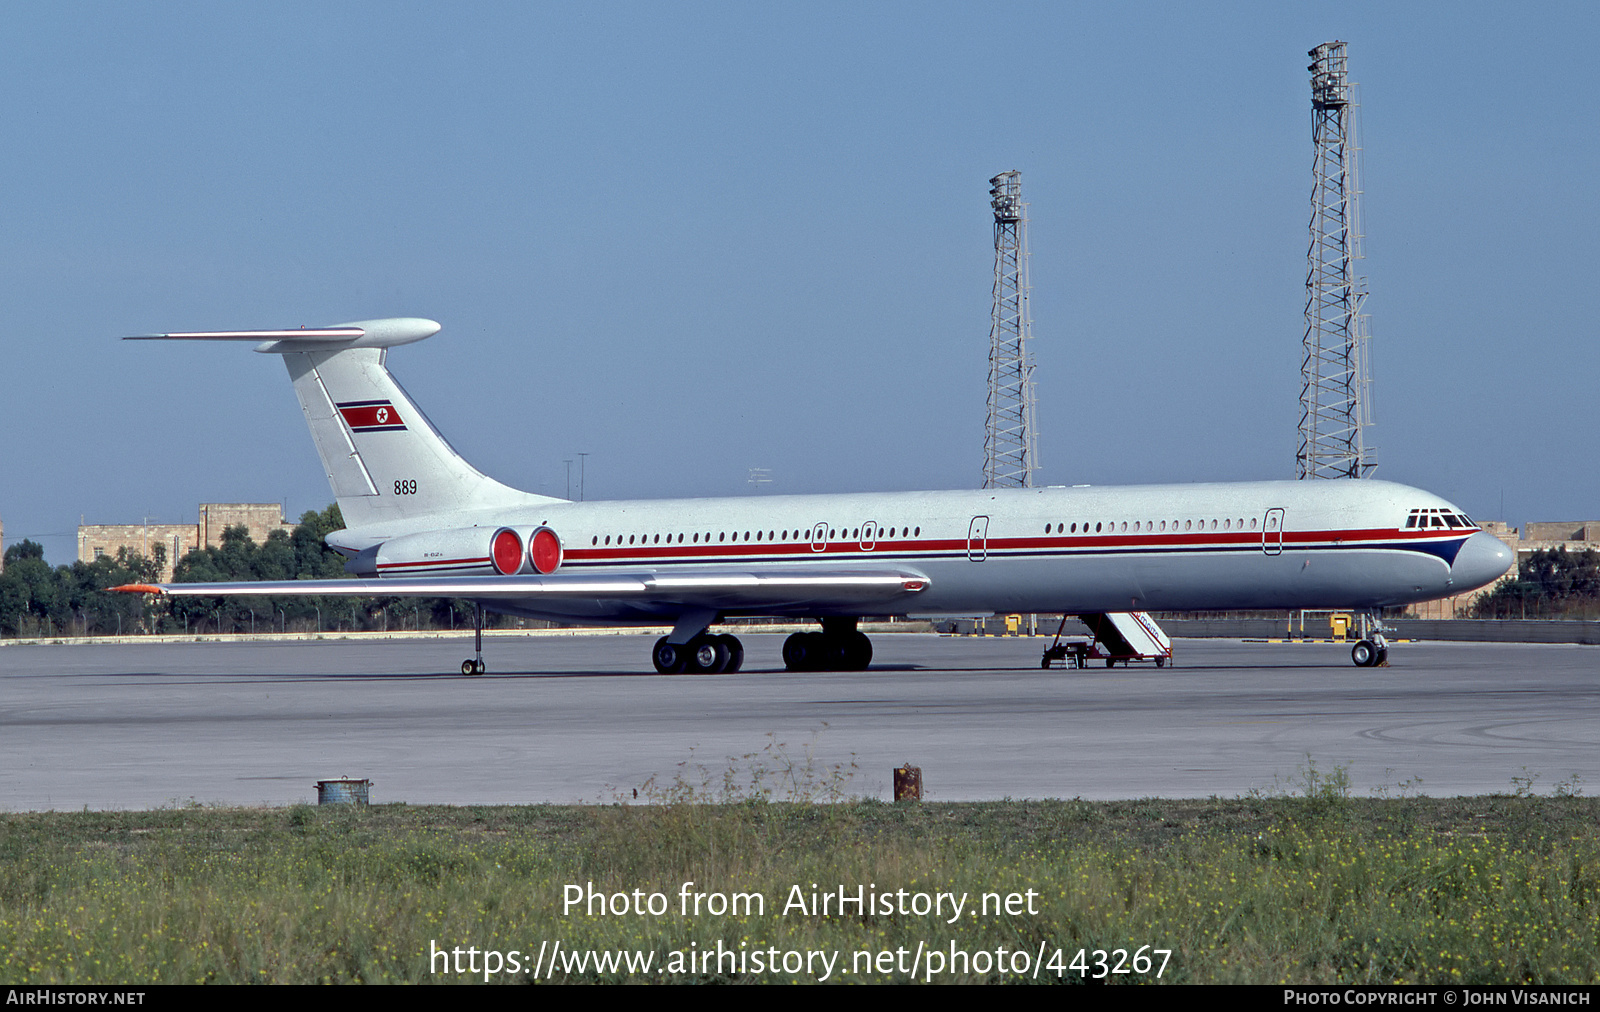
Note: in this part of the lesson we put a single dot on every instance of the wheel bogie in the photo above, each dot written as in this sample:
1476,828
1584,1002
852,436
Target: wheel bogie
704,655
837,651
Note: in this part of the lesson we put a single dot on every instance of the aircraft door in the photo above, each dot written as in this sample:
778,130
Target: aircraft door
819,538
1272,532
978,539
869,535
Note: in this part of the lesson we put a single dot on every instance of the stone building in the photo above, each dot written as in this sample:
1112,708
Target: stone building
1573,535
260,519
177,540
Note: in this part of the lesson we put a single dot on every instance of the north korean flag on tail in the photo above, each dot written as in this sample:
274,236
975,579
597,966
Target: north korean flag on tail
371,416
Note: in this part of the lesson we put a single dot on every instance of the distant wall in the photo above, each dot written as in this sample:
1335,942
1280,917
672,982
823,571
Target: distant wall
260,519
1461,629
95,540
1562,530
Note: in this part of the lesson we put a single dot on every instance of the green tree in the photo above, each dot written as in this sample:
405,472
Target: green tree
1550,582
28,591
72,600
24,549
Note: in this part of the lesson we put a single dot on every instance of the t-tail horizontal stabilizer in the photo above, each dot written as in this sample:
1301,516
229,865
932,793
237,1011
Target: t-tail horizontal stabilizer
362,334
383,459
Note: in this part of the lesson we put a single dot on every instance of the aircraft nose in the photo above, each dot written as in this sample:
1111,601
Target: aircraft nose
1482,560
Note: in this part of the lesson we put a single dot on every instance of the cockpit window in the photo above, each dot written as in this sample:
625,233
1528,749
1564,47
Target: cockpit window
1442,519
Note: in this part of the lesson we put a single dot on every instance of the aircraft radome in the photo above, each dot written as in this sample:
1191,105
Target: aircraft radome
422,522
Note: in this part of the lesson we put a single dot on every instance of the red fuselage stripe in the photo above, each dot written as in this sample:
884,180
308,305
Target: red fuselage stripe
1058,542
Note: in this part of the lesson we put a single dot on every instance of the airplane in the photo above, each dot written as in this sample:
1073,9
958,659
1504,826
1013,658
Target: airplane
422,522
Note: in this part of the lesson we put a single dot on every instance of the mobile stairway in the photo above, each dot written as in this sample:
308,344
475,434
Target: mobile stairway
1124,636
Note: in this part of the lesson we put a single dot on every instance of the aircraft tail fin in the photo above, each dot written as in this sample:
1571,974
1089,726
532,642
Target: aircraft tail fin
383,458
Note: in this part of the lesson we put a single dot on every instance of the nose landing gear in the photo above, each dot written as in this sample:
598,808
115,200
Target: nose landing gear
1368,654
1372,650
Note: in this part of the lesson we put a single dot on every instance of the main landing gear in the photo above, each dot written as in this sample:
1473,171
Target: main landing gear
689,649
838,647
705,654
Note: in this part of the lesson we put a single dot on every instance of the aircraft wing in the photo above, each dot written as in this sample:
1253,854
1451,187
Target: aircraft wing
714,589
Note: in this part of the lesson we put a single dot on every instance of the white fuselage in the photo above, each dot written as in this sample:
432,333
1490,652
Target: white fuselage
1283,544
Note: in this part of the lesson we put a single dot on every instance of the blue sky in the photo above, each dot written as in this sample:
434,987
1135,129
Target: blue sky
693,239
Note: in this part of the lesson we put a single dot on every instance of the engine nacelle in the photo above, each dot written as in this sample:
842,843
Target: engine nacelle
468,551
544,550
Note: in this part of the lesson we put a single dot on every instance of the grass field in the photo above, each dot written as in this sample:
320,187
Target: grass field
1310,886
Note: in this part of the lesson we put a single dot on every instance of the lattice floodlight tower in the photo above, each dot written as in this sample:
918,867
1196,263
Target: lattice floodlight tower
1334,392
1008,445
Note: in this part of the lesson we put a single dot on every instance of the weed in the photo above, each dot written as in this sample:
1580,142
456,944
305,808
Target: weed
1401,789
1322,792
1330,788
1524,784
771,773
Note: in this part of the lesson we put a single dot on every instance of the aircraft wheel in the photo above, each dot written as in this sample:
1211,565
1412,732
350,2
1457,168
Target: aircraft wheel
469,667
838,653
1364,654
708,655
827,653
1383,657
830,653
811,652
797,650
855,652
669,658
735,653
